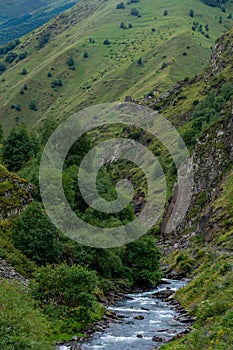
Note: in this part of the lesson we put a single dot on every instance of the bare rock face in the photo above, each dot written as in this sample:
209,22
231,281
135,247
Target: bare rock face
7,272
220,53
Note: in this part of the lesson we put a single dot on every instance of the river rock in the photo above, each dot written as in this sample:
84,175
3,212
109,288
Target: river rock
182,334
144,308
140,317
163,294
75,346
129,322
162,330
184,319
157,339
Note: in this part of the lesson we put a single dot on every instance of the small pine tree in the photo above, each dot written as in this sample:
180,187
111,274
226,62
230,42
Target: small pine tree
70,62
120,6
139,62
191,13
24,71
33,106
134,12
2,67
85,55
18,107
122,25
106,42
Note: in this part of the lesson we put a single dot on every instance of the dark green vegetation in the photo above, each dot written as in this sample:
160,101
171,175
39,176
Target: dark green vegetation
214,3
19,18
67,280
18,147
21,325
166,47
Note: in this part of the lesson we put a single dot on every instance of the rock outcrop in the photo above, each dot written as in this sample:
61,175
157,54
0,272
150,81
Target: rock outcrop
15,193
7,272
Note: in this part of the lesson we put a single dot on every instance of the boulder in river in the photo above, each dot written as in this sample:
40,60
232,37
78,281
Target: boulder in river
140,317
75,346
163,294
157,339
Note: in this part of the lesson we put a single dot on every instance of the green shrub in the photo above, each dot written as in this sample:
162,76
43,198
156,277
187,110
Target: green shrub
22,327
35,235
66,291
141,259
18,148
2,67
119,6
33,106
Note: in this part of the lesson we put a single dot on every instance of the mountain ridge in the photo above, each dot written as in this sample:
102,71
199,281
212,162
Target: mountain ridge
81,31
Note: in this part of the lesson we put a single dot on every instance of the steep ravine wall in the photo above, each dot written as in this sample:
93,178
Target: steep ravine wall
212,159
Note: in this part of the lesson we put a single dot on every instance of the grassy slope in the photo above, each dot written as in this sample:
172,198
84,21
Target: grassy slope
19,18
102,76
14,8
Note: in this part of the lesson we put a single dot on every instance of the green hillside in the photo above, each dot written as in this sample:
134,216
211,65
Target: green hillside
21,17
68,60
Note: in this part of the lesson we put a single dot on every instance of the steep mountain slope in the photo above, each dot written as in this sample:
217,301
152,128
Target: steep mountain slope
84,56
13,8
201,246
18,18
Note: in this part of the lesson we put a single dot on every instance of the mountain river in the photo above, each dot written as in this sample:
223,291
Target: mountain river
158,322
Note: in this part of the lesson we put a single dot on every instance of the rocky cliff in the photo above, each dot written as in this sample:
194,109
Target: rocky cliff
212,156
15,193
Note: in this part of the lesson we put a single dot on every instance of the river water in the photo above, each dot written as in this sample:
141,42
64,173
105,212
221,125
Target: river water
158,320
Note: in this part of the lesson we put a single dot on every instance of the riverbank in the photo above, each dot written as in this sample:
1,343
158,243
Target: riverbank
149,319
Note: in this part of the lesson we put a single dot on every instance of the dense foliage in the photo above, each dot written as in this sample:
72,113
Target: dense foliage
66,291
18,148
214,3
22,327
35,235
207,111
20,25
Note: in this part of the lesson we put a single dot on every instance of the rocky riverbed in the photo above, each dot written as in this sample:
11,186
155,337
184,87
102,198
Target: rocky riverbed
142,321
